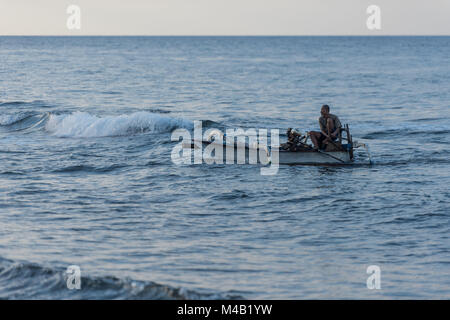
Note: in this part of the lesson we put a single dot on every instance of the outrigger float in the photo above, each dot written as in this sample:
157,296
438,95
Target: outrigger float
297,151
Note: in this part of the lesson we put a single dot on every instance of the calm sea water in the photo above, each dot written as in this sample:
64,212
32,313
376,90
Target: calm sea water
86,176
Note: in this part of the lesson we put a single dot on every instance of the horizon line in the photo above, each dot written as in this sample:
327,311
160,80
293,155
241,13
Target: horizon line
224,35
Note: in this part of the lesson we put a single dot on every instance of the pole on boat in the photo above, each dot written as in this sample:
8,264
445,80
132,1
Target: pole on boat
320,151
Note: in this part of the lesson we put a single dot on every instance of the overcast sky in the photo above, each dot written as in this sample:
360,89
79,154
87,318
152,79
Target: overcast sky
225,17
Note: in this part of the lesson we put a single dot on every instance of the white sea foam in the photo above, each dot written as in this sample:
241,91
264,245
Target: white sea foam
82,124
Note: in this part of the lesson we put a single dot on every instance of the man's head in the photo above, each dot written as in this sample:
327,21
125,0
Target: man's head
325,111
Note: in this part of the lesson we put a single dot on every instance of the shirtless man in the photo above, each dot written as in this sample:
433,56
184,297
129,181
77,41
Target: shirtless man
329,128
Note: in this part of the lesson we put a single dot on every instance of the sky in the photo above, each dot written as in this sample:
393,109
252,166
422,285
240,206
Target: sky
224,17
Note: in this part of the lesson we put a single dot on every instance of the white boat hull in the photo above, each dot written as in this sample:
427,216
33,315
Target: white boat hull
276,155
284,156
313,158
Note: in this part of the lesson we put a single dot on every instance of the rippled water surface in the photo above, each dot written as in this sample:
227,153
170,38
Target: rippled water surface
86,176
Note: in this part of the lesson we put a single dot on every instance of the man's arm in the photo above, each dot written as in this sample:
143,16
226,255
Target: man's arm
338,126
323,128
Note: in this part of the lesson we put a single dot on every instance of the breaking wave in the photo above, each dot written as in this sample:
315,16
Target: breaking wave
83,125
19,280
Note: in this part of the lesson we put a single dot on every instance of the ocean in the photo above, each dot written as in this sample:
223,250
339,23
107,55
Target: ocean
86,176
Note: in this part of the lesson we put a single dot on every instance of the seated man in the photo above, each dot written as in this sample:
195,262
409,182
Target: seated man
329,128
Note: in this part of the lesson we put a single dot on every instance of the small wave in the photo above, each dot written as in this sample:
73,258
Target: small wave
393,132
211,124
12,173
84,125
86,168
22,103
23,280
11,103
158,110
10,119
407,128
235,194
415,161
111,92
424,119
23,121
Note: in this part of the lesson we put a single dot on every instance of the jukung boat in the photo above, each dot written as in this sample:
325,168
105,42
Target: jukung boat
297,150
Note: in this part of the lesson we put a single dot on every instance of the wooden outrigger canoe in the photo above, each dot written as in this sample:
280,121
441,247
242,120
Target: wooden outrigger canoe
340,154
